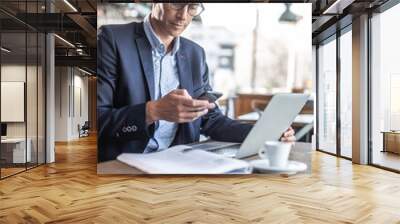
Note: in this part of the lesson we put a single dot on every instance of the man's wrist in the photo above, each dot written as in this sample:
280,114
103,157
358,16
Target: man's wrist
151,116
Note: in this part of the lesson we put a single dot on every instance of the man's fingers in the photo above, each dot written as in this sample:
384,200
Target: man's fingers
195,103
184,108
210,106
289,133
195,115
190,116
182,92
288,139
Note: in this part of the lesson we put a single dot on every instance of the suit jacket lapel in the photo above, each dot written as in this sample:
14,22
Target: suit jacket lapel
184,133
147,61
184,71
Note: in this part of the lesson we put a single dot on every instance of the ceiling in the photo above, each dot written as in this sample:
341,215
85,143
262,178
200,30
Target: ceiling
72,20
332,15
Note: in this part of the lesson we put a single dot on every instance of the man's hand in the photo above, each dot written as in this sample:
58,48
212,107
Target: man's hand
288,135
177,106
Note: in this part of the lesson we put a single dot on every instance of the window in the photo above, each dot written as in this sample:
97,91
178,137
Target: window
327,96
22,76
385,87
346,94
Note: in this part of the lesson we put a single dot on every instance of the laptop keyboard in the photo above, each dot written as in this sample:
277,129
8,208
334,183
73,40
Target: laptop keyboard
228,149
228,152
213,145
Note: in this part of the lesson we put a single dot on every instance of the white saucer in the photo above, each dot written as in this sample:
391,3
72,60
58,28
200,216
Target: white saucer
262,165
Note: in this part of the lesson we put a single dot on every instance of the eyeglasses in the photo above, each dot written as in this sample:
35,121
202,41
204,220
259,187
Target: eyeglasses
194,9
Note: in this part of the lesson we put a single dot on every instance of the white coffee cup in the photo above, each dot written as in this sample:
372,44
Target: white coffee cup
276,152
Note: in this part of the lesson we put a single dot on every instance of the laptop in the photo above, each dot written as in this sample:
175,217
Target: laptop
276,119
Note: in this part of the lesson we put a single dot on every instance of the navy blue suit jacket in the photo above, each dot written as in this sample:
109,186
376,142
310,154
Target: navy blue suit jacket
125,82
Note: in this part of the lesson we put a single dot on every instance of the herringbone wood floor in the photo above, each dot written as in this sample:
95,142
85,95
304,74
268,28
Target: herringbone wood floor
69,191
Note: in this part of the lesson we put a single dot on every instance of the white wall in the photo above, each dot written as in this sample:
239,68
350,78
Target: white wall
80,100
16,73
62,81
71,93
33,126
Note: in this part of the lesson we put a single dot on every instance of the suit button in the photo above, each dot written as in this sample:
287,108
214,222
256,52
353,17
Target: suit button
124,130
134,128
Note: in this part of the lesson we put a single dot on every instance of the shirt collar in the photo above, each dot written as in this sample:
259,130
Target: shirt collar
155,41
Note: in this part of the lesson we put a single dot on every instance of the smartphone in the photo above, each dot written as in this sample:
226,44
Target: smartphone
211,96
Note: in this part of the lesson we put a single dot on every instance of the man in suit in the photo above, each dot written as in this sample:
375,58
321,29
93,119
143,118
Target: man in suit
148,81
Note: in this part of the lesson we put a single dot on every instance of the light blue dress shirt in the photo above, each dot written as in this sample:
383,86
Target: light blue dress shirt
166,79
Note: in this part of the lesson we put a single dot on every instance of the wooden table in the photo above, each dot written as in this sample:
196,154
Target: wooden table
391,141
300,152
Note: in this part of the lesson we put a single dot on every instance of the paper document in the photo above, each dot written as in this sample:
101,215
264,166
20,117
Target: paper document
179,160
